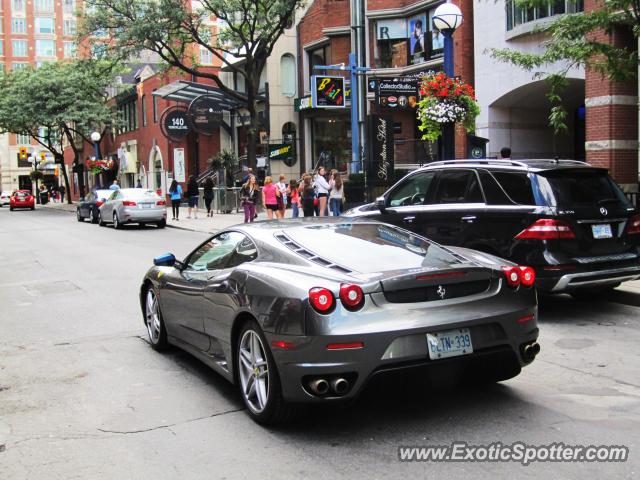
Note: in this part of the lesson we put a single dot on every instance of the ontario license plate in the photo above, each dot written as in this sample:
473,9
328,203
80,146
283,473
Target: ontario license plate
451,343
601,231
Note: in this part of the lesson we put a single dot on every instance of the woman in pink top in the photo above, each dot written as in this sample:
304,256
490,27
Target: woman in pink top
270,195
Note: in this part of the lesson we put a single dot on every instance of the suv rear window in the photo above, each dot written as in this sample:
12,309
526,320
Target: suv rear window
517,185
570,188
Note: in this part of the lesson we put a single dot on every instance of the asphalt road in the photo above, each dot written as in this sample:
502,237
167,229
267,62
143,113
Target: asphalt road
82,395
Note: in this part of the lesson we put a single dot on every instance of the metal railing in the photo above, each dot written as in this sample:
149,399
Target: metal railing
225,200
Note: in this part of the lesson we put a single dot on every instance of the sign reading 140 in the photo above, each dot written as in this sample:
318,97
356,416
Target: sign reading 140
328,92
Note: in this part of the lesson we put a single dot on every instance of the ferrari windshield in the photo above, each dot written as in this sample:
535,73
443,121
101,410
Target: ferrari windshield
371,247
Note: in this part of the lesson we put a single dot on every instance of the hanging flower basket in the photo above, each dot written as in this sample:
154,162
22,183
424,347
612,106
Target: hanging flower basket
445,100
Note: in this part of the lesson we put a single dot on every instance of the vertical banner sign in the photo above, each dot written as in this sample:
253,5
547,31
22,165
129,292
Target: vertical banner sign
381,153
328,92
178,165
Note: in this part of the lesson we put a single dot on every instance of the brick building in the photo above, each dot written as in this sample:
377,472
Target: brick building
31,33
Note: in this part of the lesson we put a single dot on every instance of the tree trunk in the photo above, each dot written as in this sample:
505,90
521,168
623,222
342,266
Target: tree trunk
60,160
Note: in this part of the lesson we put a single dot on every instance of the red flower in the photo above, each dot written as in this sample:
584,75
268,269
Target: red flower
443,93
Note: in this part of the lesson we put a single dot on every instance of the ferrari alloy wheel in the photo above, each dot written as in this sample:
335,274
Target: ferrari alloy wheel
258,378
116,222
153,319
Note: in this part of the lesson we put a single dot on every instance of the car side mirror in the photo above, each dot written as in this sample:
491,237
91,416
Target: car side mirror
166,260
381,203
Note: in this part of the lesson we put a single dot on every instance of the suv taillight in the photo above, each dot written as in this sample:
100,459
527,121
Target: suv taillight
546,229
633,228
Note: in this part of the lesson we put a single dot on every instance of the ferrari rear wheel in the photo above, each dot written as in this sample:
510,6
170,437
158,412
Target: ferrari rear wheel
154,322
258,378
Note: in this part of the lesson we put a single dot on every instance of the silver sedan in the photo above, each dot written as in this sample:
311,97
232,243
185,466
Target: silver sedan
133,205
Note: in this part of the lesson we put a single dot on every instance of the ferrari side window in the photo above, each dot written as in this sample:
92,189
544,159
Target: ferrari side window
216,253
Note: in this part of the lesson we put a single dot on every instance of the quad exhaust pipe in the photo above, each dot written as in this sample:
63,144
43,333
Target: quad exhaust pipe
321,386
530,351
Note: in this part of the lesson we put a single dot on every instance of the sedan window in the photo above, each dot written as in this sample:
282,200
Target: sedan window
225,250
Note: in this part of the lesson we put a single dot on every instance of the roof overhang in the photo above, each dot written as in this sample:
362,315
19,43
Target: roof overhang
185,92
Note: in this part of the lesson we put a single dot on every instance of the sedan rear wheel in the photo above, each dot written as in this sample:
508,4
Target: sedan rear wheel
78,216
258,377
116,222
153,319
92,216
100,221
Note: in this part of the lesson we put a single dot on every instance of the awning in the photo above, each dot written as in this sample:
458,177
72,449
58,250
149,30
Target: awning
185,92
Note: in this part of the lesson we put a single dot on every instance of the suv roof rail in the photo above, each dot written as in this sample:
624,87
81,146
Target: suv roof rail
559,160
482,160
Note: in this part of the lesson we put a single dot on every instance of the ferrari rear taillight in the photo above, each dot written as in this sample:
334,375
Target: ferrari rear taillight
351,296
633,228
321,299
161,203
527,276
547,229
512,275
129,203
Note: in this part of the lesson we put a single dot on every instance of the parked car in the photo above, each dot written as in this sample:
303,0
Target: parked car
22,199
133,205
567,219
278,309
5,198
89,207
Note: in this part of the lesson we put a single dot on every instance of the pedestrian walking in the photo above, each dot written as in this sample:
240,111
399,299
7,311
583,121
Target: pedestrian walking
282,199
192,197
250,194
336,193
308,196
270,195
175,192
294,195
62,191
207,193
114,185
322,189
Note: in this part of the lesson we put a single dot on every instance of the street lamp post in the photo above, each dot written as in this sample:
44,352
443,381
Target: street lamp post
95,138
447,18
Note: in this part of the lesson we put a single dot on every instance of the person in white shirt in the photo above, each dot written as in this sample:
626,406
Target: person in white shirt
282,200
322,189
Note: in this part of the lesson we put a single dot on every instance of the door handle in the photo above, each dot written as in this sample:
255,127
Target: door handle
468,218
409,219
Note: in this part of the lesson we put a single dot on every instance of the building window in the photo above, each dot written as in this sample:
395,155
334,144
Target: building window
318,56
68,6
17,5
45,48
23,139
18,25
206,57
45,6
128,113
45,25
19,65
517,14
1,48
143,110
69,49
1,22
288,75
240,82
155,107
69,27
19,48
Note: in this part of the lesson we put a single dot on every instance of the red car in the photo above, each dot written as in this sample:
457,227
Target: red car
22,199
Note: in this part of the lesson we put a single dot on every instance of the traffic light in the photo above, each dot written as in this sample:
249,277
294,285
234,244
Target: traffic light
23,153
43,156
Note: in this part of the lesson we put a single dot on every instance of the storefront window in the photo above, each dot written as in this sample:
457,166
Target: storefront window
331,139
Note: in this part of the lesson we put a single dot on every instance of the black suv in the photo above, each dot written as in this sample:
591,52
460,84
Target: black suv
567,219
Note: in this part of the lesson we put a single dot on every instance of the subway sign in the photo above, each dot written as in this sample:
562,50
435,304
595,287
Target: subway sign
328,92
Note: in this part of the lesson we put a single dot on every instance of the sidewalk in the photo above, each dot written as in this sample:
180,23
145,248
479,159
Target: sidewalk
203,223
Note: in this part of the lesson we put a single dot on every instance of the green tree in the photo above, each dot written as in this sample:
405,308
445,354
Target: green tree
580,40
58,105
240,34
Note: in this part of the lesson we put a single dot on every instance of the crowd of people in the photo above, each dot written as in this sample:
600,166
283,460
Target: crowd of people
313,195
53,193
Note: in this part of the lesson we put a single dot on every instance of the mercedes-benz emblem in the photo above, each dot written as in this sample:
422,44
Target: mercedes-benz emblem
441,292
603,211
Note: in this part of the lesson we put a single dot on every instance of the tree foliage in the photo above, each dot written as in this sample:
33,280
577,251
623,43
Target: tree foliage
57,104
580,40
241,34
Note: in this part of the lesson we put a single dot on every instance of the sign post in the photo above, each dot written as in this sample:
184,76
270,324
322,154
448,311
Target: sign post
381,152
